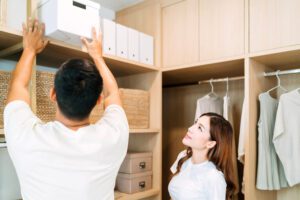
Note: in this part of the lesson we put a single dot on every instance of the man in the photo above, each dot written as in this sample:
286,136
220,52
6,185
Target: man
67,159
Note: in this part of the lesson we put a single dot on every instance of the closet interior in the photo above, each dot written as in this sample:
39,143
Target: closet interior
196,41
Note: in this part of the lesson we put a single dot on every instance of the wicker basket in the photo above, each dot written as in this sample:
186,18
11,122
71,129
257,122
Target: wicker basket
45,108
136,105
4,83
97,112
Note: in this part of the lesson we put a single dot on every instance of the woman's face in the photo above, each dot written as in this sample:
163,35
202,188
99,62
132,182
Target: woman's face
198,135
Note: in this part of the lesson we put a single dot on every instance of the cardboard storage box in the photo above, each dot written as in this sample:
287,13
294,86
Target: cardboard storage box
67,20
136,162
132,183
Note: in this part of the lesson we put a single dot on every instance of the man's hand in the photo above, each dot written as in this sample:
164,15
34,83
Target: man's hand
33,36
95,46
33,43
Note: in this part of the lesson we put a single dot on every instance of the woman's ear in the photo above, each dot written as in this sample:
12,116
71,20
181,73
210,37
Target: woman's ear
211,144
53,95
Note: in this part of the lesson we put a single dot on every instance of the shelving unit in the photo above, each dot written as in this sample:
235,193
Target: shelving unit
129,74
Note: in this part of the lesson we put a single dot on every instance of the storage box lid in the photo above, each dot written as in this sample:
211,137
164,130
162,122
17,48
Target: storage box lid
132,154
137,175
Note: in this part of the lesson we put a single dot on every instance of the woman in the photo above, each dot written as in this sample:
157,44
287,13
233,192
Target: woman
205,169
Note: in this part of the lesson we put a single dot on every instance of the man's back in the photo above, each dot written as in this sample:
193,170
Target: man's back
55,162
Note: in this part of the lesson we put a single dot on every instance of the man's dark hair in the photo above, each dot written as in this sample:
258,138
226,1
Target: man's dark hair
78,85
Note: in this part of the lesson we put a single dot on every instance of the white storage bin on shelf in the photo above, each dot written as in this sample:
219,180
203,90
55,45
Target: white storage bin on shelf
146,49
109,36
67,20
13,13
122,41
133,45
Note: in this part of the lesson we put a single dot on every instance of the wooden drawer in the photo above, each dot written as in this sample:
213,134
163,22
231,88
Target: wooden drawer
132,183
136,162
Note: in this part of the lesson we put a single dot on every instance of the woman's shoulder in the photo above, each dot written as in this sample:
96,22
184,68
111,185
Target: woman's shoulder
179,156
214,175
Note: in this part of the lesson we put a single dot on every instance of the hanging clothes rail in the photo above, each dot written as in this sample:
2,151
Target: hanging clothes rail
222,80
292,71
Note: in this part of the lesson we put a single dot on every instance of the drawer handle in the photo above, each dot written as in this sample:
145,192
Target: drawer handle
142,184
142,165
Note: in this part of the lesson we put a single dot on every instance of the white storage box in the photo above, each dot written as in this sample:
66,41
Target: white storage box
133,44
122,41
67,20
13,13
136,162
109,36
146,49
132,183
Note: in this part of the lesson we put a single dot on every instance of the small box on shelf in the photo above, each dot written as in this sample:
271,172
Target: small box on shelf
132,183
136,162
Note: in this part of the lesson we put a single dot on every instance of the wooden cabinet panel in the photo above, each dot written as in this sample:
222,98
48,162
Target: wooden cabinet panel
221,28
180,33
274,24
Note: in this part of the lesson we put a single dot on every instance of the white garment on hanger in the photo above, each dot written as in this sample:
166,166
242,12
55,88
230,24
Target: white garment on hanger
287,135
242,136
270,174
209,104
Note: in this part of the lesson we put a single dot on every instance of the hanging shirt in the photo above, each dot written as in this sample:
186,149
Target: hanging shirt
209,104
270,174
227,114
55,162
242,135
242,141
197,181
286,137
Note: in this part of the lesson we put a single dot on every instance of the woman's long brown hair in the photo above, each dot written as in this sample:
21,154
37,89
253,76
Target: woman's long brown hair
221,153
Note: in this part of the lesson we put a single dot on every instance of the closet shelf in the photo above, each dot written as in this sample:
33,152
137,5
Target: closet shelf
144,131
57,52
136,196
191,74
281,58
9,38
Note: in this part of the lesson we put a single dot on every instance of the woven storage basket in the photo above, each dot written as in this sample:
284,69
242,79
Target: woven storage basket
136,105
46,108
97,112
4,83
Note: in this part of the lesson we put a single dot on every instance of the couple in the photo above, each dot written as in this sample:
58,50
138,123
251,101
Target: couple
70,158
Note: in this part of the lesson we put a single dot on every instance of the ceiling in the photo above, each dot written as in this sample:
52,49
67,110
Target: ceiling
117,5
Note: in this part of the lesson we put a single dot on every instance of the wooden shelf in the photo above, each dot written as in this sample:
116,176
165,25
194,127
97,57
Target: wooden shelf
9,38
136,196
281,58
58,52
191,74
1,132
143,131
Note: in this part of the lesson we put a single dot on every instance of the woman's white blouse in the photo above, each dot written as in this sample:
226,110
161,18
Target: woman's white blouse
197,181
